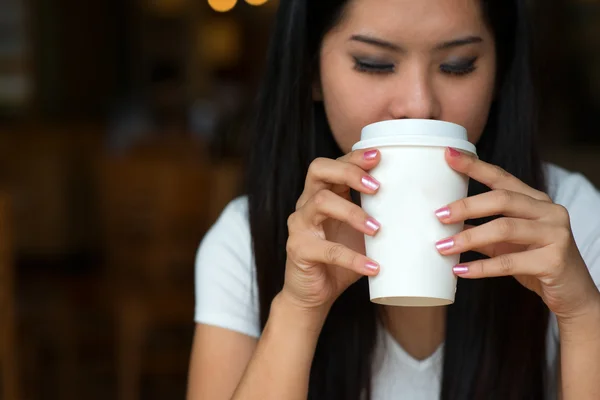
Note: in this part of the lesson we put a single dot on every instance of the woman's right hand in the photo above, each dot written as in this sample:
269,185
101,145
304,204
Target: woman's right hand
326,232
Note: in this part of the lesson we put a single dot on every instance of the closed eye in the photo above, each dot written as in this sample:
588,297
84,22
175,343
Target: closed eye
459,68
373,67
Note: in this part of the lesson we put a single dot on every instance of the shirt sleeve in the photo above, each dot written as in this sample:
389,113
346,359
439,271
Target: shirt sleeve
226,294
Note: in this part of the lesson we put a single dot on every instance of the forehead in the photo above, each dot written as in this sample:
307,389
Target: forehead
414,19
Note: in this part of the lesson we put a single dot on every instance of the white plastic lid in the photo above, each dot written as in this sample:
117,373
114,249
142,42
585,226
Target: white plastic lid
415,132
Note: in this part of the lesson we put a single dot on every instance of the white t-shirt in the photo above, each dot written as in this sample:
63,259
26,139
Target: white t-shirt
226,289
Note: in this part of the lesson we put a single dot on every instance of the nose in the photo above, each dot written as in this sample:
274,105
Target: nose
413,96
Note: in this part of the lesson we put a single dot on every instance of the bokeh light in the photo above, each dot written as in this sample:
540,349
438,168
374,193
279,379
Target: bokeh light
256,2
222,5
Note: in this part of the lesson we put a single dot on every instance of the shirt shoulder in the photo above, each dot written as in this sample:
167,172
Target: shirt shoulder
226,292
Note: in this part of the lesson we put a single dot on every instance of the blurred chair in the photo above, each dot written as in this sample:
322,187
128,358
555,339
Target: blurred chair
8,343
155,210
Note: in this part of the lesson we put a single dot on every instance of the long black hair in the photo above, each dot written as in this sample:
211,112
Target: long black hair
495,335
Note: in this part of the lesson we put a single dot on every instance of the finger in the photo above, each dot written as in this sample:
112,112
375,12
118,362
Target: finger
524,263
497,202
501,230
365,158
490,175
307,251
338,176
497,249
326,204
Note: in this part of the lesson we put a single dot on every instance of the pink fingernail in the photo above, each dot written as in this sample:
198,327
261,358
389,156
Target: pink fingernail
370,182
443,212
445,244
453,152
460,269
373,224
371,266
370,155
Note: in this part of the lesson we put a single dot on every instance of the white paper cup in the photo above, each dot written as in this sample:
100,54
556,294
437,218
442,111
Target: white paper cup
415,182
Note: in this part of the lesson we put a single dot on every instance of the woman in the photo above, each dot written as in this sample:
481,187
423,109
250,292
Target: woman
282,304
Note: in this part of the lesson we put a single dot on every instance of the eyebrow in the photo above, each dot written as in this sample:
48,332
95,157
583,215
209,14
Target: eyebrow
394,47
459,42
376,42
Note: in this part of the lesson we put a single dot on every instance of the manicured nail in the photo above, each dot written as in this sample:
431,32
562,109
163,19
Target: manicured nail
370,155
370,182
371,266
445,244
460,269
453,152
443,213
373,225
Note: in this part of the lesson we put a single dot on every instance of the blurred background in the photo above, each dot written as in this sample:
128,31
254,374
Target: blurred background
121,129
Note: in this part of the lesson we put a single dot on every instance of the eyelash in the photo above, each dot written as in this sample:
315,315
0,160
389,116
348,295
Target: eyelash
463,69
372,68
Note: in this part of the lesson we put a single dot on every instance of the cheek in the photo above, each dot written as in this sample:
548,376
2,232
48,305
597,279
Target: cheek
469,104
469,108
350,102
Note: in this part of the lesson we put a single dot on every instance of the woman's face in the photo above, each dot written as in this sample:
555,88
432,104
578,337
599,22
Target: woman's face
394,59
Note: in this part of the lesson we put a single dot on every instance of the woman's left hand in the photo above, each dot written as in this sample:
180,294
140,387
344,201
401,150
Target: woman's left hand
531,240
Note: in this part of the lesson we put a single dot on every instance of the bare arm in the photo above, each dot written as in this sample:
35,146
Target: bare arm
219,358
280,367
224,362
580,356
